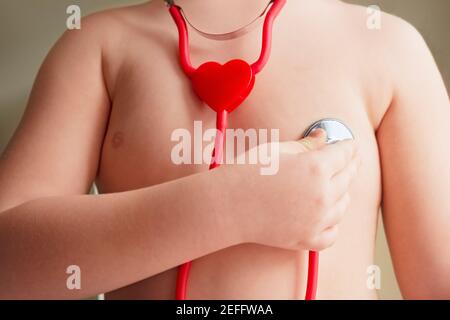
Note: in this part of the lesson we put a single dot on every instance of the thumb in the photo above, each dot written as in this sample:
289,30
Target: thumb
315,140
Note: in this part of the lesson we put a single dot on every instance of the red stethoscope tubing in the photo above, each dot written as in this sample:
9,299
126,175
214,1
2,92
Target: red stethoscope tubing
221,125
184,269
257,66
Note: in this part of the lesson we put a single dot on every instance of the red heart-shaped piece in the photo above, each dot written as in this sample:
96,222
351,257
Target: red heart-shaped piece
223,87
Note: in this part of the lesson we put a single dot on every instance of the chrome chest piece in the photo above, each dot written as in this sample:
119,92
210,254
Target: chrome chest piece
336,130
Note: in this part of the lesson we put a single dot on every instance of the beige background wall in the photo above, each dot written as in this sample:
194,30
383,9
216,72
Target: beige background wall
28,28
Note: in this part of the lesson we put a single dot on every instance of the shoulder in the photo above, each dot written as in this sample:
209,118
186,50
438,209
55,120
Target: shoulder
387,51
381,32
117,24
106,37
396,48
365,29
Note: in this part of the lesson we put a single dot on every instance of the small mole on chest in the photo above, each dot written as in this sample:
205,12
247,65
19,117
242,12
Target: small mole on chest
117,139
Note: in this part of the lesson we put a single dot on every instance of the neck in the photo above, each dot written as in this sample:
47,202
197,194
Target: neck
219,16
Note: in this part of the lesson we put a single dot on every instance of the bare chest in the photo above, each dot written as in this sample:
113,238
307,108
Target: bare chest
154,100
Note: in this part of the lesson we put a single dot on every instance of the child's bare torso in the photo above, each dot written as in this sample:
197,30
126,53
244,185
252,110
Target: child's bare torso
320,68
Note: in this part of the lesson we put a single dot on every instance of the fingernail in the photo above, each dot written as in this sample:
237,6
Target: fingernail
316,133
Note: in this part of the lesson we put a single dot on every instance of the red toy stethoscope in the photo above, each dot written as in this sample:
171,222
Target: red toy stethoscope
224,88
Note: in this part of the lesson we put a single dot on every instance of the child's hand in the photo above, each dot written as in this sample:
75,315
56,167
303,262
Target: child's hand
301,206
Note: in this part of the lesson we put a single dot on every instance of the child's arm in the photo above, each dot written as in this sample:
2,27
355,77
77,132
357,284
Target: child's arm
46,224
415,153
116,239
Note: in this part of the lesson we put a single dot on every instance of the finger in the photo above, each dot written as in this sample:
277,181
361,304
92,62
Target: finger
338,155
336,215
326,239
315,140
342,180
